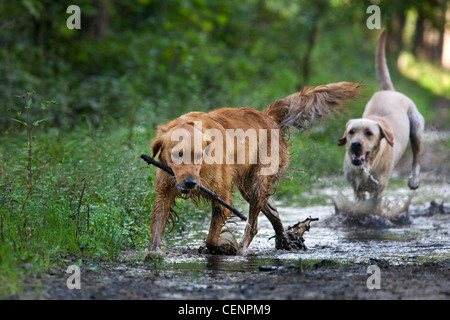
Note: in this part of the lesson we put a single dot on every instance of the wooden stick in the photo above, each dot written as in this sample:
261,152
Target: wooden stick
210,193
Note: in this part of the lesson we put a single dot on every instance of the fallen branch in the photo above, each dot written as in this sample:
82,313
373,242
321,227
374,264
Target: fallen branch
210,193
300,227
294,235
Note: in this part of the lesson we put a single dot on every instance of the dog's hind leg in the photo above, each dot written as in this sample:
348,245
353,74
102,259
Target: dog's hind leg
271,212
282,241
252,226
416,133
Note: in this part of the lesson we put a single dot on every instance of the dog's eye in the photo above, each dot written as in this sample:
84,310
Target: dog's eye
369,133
351,131
177,154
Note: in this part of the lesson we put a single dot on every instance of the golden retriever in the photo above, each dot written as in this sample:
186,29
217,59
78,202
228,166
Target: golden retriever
230,146
377,141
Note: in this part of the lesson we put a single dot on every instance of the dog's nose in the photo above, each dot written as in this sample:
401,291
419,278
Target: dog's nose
356,145
190,183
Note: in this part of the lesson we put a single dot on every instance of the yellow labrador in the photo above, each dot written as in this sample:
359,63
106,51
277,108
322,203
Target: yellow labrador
377,141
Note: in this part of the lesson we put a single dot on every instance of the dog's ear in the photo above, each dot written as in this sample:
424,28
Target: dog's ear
157,144
342,141
385,132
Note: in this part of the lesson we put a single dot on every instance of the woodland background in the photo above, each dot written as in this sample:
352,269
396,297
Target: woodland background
77,107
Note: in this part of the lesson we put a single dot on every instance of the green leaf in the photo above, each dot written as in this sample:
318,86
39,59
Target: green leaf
31,8
36,123
21,122
29,102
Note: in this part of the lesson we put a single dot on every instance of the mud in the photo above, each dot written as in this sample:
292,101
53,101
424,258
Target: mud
324,279
413,260
412,253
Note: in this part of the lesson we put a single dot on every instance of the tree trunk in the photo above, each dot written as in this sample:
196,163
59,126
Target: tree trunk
98,25
318,9
418,36
445,61
441,29
395,42
307,57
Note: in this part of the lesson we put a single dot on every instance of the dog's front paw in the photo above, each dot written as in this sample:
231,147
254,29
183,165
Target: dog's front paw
225,249
226,245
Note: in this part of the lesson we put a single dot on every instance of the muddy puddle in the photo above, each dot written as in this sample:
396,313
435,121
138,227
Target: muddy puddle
414,257
413,253
421,234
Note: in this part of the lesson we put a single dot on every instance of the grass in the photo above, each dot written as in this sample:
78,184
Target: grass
92,196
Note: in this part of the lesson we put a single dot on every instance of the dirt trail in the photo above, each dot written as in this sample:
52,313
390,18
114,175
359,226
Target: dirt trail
413,261
413,258
324,279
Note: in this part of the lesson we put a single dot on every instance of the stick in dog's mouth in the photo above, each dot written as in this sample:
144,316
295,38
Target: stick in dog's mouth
214,196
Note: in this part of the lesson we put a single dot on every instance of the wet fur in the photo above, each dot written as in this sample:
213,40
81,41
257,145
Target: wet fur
299,110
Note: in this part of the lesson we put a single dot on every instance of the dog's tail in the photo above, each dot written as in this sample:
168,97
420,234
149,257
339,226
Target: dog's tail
384,79
301,109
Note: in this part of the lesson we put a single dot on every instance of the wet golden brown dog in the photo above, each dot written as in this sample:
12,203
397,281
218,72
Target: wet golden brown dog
229,147
377,141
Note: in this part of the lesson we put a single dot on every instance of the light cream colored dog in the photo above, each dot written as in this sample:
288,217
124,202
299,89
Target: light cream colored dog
377,141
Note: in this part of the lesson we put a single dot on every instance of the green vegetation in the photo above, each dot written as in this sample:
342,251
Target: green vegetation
79,193
77,107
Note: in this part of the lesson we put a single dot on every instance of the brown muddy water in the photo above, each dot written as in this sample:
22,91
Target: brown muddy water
412,252
413,257
422,233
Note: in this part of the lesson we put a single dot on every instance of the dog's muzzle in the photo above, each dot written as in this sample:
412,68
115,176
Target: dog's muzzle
187,185
357,160
357,156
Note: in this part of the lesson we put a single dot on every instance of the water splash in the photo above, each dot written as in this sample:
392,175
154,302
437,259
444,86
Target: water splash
367,214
